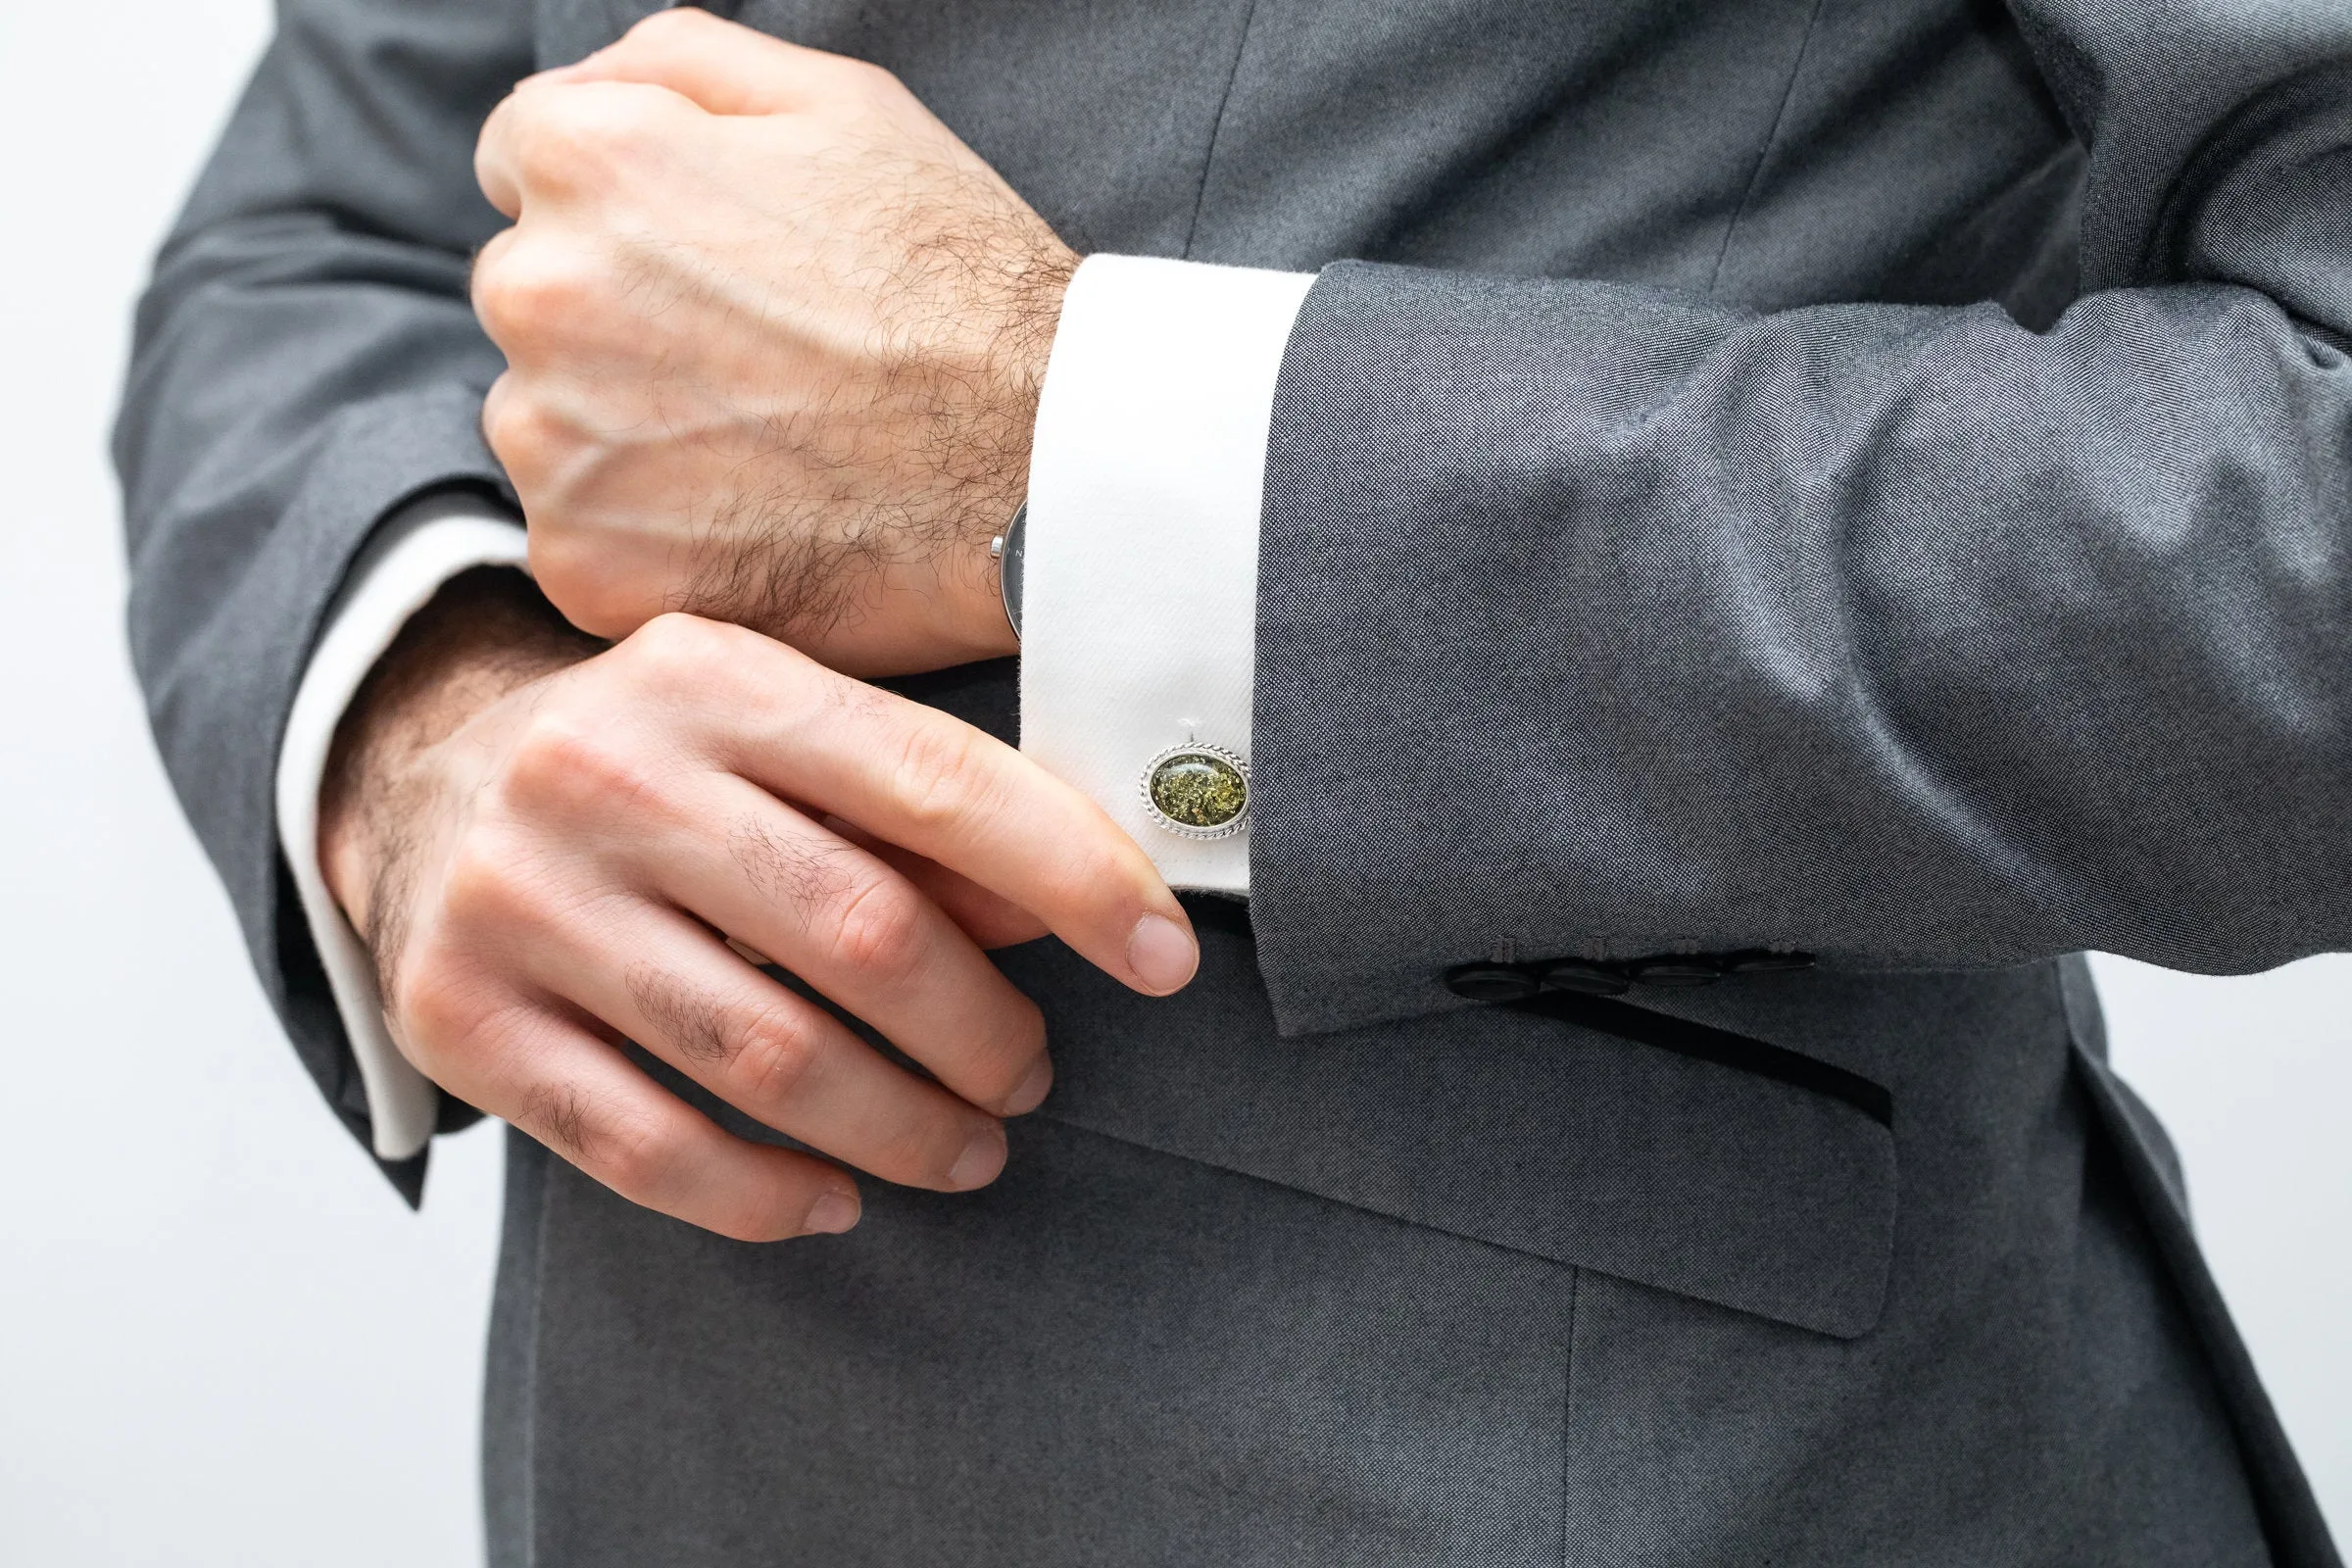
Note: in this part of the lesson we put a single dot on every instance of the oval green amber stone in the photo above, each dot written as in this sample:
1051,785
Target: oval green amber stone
1198,789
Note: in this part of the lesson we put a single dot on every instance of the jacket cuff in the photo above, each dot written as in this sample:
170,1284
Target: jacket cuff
421,547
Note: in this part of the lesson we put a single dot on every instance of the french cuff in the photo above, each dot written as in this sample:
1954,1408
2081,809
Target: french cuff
1140,577
416,550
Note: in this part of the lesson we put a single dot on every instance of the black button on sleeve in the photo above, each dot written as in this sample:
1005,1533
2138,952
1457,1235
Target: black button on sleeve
1584,975
1757,960
1490,982
1678,969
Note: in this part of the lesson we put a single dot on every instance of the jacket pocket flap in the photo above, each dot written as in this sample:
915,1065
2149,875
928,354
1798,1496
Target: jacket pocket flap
1759,1191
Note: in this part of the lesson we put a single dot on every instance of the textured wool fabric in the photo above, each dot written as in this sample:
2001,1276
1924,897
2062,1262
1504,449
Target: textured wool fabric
1700,522
1903,636
1125,1352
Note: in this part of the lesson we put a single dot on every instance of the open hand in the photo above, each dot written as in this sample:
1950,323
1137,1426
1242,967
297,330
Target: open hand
774,338
550,851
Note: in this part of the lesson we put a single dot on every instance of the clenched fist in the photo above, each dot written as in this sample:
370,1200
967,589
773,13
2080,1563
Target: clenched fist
774,338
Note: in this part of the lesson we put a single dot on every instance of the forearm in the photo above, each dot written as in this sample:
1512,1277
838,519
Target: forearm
1904,638
1605,621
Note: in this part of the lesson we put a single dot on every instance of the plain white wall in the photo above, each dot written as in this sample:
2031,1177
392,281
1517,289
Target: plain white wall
221,1339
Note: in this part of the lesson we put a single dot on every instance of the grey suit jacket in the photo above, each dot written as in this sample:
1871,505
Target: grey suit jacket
1859,478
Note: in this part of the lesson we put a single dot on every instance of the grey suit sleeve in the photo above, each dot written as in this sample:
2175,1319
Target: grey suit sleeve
1603,622
305,359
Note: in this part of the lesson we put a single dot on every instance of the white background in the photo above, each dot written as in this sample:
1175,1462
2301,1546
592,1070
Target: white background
223,1340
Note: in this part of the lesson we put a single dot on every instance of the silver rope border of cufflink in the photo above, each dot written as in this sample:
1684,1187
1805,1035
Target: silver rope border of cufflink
1186,830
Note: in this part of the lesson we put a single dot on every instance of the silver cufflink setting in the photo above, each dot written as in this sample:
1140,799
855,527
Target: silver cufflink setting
1198,792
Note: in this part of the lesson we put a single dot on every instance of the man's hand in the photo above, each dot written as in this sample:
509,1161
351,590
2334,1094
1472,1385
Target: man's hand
774,337
549,849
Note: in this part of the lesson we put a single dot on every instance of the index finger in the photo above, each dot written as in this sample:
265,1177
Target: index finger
495,167
928,782
559,132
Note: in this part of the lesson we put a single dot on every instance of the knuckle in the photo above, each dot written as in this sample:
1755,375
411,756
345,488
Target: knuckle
562,567
445,1017
634,1156
560,767
774,1056
579,578
528,294
481,889
869,79
566,137
670,25
941,778
557,1114
493,255
795,871
679,643
675,653
881,930
524,433
429,1008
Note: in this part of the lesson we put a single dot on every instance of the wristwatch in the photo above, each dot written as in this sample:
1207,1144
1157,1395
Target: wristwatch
1006,551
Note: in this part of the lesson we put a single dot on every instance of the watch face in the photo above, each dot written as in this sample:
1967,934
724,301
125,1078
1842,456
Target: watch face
1008,564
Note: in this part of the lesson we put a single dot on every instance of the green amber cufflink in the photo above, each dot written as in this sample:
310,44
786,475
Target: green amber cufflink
1198,792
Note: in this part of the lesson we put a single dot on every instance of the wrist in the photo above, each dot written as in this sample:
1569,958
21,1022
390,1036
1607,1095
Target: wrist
1023,349
486,633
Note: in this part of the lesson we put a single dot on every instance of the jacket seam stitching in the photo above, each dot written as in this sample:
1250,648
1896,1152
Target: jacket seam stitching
530,1401
1772,137
1575,1288
1216,127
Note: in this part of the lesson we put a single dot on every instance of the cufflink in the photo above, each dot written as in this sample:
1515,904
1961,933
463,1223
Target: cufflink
1198,792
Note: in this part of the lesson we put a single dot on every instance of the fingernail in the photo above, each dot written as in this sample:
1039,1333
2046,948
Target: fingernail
1032,1093
832,1214
980,1160
1162,955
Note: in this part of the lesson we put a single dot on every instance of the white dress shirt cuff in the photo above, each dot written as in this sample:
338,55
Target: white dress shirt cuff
413,554
1140,595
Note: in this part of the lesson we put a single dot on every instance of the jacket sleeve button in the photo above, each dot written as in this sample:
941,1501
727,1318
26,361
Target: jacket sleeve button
1678,969
1757,960
1490,982
1581,974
